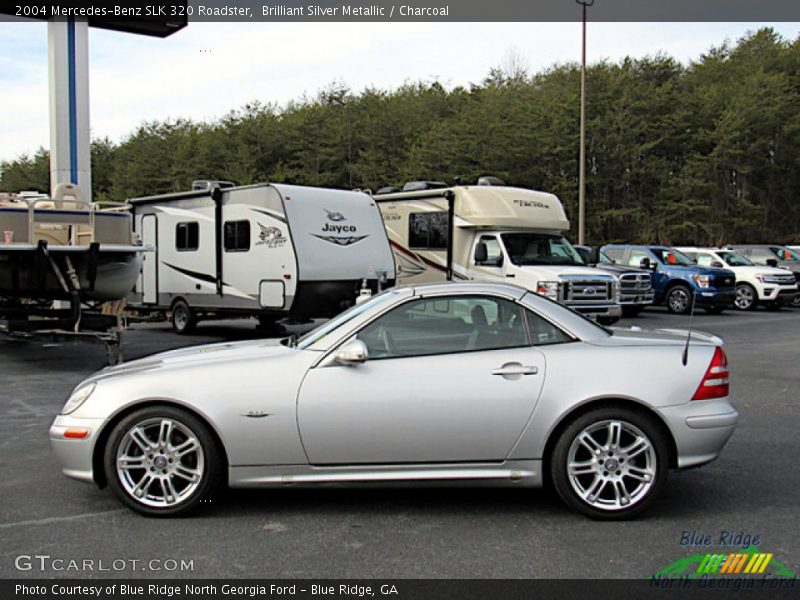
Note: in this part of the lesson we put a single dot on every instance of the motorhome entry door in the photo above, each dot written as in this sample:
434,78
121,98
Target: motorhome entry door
150,260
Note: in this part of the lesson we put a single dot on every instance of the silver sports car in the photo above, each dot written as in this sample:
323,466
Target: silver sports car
454,383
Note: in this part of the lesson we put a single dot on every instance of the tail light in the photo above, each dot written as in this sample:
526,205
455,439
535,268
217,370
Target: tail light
715,381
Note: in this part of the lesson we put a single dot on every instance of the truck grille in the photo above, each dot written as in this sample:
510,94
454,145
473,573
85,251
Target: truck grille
787,279
724,281
634,283
589,291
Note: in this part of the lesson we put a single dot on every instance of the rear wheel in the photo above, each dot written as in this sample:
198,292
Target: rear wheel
679,300
746,297
610,463
183,319
270,325
162,461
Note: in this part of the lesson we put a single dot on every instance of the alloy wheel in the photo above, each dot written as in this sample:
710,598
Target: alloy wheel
160,462
679,300
611,465
745,297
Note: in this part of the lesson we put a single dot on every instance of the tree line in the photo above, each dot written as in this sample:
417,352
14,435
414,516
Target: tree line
704,153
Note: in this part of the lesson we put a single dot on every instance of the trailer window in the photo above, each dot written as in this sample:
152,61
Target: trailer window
237,236
427,231
187,236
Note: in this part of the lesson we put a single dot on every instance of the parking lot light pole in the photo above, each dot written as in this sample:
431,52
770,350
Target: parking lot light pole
582,158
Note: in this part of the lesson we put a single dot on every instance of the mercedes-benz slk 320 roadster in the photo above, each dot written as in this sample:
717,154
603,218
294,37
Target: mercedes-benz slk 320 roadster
445,383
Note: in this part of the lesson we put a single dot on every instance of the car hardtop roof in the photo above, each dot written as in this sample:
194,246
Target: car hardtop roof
469,287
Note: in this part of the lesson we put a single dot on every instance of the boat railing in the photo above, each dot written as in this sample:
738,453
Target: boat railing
64,210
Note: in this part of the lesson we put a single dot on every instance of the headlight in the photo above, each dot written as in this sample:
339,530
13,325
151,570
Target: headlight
702,281
548,289
77,398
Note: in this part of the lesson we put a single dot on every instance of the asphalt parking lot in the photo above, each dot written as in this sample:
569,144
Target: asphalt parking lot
402,533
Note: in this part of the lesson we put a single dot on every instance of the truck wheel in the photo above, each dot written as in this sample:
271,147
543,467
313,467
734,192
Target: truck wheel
607,320
610,463
796,301
679,300
269,324
183,319
632,311
162,461
746,297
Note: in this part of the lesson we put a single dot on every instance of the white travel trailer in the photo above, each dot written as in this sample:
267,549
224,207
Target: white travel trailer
265,250
492,232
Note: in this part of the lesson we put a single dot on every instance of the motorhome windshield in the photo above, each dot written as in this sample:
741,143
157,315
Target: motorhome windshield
540,249
734,259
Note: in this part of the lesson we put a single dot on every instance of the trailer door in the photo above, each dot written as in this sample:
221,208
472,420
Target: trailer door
150,261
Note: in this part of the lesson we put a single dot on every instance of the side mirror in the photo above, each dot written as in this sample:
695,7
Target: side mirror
645,264
772,262
352,353
594,255
717,265
481,253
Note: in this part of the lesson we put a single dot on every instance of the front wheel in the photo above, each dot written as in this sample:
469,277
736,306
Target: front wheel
679,300
610,463
162,461
746,297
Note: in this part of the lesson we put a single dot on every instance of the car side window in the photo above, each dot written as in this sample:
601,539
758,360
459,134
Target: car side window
704,260
543,332
637,256
445,326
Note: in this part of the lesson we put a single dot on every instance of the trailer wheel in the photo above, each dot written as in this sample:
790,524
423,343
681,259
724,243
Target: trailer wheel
183,319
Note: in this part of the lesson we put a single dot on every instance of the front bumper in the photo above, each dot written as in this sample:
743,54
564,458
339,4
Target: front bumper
771,292
706,297
604,310
75,455
701,428
636,299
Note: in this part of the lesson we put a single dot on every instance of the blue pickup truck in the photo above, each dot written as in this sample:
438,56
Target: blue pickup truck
676,278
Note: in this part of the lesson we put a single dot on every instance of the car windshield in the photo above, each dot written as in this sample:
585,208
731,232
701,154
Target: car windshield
351,313
540,249
785,253
605,260
670,256
734,259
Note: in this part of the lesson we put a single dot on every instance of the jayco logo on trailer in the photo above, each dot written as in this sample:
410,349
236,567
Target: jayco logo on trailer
339,240
270,236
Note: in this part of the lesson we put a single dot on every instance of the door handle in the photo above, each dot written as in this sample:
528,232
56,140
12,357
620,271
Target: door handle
515,369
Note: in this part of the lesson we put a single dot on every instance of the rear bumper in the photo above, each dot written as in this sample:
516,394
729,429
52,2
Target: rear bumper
700,428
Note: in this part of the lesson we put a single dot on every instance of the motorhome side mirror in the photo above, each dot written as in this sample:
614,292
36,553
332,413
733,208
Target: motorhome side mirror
481,253
772,262
352,353
645,264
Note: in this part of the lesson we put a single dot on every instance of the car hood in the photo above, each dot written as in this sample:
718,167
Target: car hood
556,272
655,337
197,355
619,269
695,270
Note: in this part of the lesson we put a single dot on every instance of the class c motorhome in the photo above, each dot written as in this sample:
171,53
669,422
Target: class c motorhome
496,233
265,250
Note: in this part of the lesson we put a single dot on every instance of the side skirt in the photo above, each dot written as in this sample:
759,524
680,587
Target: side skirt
527,473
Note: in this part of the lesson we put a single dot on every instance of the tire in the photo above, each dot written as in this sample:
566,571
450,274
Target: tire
194,477
632,311
679,299
183,319
652,463
270,325
715,310
746,297
795,301
608,320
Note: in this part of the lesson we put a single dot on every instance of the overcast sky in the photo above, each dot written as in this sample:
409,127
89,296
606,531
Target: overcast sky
206,70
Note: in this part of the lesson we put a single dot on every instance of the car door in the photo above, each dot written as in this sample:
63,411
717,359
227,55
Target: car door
448,379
